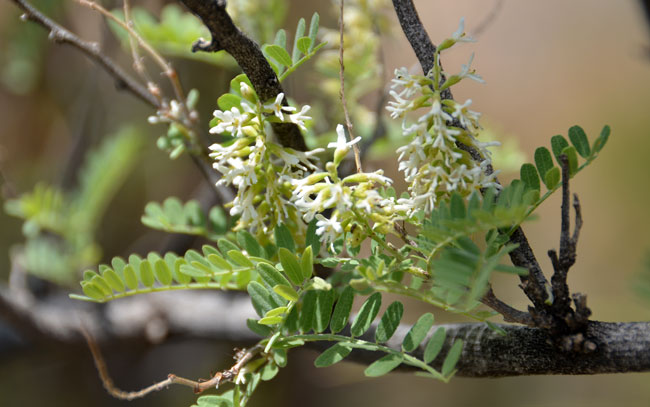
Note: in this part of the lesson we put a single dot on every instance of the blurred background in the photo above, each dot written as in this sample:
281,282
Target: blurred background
547,66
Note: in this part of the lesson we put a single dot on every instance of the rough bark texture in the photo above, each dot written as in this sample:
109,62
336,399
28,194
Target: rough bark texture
620,347
226,36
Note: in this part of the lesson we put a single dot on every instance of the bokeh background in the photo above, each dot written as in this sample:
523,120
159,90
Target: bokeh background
547,65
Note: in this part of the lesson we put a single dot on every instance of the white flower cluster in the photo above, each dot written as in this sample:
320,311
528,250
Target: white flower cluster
351,200
256,166
277,184
436,161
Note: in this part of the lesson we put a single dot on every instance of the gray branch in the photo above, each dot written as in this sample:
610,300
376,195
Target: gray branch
620,347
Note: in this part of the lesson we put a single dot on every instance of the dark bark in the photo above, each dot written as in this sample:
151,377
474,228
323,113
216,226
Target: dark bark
618,347
226,36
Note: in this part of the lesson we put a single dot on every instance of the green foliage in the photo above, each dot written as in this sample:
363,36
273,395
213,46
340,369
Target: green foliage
60,225
389,322
211,269
304,48
175,217
462,273
440,264
170,34
550,174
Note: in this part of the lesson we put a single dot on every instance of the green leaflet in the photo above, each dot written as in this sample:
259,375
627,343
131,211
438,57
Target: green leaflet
188,218
261,298
366,315
323,309
291,266
529,176
434,345
287,292
332,355
579,140
277,54
256,327
544,163
452,358
248,242
307,263
283,238
342,310
558,143
300,31
389,322
312,238
384,365
308,311
271,275
418,332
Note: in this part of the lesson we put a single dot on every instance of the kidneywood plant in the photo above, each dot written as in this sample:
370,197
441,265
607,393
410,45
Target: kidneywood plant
305,232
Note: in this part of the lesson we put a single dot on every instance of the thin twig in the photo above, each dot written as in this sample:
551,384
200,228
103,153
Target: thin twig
489,19
242,357
348,123
568,246
158,59
509,313
135,54
91,49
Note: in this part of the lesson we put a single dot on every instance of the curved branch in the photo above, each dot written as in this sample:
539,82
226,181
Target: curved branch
92,50
226,36
619,347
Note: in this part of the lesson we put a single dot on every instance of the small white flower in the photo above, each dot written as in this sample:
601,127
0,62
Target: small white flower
408,82
459,34
232,121
328,229
175,109
300,117
276,106
399,106
341,146
467,118
466,73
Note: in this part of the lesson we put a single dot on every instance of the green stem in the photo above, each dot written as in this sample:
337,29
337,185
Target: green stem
301,61
190,286
397,288
365,345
